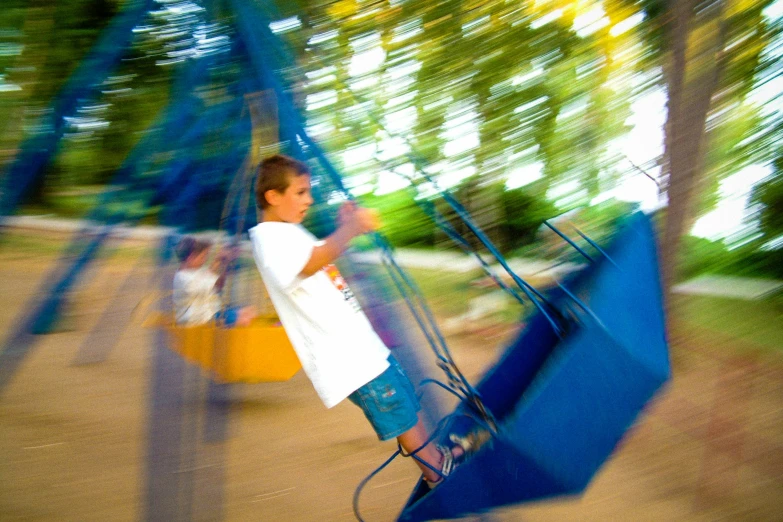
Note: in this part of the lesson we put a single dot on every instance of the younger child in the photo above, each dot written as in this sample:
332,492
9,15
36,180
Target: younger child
335,342
197,287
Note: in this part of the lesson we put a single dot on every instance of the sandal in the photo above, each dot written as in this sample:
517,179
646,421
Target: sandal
447,465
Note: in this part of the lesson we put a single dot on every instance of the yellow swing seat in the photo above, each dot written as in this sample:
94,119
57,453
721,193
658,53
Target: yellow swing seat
260,352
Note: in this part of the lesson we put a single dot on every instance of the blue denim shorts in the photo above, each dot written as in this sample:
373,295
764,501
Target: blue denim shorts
389,402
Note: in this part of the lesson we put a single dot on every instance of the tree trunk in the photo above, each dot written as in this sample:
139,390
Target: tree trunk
690,91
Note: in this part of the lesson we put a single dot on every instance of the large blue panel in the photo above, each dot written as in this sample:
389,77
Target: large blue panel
579,406
562,405
629,300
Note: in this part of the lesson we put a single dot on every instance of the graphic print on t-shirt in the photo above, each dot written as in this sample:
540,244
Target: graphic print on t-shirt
339,283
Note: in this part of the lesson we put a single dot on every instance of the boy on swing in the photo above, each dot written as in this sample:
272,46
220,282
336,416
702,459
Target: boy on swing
335,342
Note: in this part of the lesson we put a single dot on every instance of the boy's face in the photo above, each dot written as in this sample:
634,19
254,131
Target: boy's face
291,205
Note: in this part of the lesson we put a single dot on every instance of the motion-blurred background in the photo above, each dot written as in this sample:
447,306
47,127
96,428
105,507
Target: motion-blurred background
140,113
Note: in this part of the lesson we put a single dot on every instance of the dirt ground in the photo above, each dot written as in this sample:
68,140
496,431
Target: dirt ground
82,442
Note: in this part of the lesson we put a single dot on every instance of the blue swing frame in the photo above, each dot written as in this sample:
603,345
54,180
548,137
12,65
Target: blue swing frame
546,379
563,405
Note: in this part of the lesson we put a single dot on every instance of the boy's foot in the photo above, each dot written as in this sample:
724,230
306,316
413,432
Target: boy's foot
452,456
471,442
448,463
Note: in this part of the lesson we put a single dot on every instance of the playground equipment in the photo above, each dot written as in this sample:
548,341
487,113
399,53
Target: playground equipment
566,391
562,403
259,352
555,405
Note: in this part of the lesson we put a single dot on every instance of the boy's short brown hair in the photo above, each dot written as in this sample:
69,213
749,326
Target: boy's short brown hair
274,173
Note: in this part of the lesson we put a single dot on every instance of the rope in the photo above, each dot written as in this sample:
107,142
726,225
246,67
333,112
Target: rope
569,241
399,452
528,289
467,248
402,281
388,461
235,190
416,161
442,353
241,183
364,483
595,245
440,348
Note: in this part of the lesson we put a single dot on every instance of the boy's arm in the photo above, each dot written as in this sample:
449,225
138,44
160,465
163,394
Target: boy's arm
355,222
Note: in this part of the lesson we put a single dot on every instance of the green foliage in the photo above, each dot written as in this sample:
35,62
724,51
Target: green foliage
769,196
532,92
602,219
523,214
403,221
598,222
510,218
702,256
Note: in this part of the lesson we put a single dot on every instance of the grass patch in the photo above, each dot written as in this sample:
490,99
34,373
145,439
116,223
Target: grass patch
759,323
448,292
14,244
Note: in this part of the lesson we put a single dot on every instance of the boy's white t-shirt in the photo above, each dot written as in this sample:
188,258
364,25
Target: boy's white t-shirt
195,299
335,342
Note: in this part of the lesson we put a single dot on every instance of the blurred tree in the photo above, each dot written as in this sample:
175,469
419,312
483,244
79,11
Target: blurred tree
690,91
55,37
523,214
52,39
21,63
709,50
404,223
479,92
469,90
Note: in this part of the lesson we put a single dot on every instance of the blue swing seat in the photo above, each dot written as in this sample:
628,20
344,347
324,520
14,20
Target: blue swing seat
563,404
